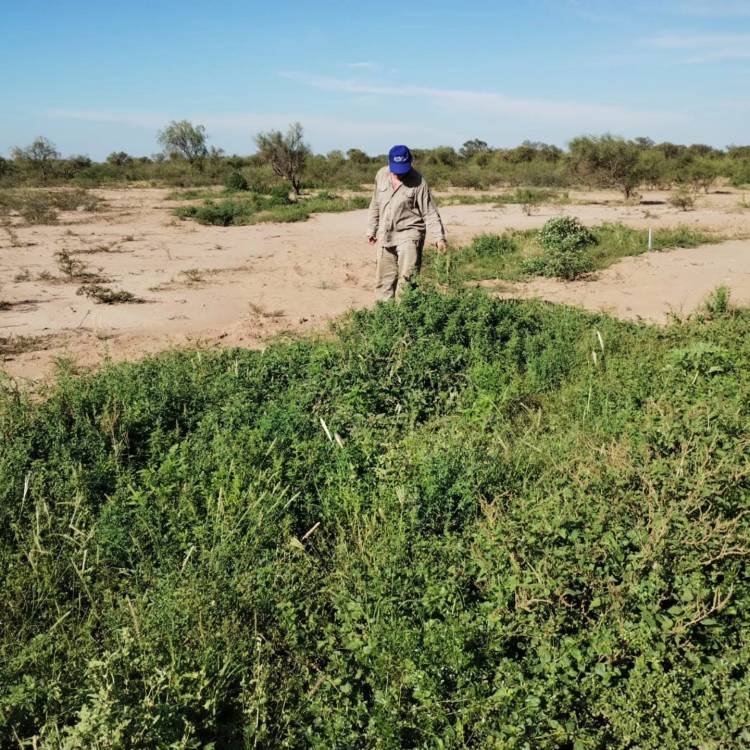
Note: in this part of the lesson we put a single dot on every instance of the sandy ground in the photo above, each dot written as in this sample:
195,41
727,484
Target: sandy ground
239,285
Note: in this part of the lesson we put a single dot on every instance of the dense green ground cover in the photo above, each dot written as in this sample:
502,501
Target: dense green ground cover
517,254
530,530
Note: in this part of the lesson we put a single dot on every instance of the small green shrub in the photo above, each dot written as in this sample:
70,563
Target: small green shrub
280,193
235,181
565,233
718,302
565,242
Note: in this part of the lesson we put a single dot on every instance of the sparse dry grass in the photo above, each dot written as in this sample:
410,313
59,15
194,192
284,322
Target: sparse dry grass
261,311
12,346
41,206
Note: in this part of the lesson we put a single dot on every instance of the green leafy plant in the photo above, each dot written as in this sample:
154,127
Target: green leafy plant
565,242
718,302
445,523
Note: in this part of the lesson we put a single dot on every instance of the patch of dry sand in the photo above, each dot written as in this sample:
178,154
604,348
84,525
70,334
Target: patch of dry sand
238,285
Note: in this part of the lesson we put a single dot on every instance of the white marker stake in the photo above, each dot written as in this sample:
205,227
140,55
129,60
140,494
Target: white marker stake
650,239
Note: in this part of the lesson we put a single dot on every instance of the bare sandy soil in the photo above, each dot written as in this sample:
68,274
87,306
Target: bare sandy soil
239,285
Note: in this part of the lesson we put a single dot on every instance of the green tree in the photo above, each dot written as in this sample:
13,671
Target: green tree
472,148
653,168
287,154
39,156
606,161
184,140
119,159
357,156
701,173
445,155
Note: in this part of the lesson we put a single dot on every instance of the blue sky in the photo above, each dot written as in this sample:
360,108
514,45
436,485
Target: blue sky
101,76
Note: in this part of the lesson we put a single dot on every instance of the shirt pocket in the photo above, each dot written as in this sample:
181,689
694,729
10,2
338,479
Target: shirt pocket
384,194
410,198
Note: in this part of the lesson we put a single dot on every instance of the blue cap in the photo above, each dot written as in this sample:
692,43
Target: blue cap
399,160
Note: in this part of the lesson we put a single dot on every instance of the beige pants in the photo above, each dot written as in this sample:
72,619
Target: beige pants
397,267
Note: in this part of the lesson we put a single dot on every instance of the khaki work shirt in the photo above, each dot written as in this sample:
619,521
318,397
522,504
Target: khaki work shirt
406,213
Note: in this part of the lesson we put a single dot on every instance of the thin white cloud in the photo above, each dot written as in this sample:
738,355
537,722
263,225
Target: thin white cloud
137,120
588,11
583,115
715,8
698,41
363,66
703,48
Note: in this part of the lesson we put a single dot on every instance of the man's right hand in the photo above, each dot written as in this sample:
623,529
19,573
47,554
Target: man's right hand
371,240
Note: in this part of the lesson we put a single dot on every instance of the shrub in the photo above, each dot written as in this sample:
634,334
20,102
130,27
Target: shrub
717,303
683,199
564,241
236,181
565,233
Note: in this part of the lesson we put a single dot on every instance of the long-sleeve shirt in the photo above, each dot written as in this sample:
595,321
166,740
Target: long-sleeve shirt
408,212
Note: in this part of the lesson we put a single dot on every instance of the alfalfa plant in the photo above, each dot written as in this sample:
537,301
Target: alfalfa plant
565,242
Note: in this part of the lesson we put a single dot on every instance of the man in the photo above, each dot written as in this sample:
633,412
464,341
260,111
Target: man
401,213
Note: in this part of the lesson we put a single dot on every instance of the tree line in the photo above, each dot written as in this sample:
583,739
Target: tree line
186,159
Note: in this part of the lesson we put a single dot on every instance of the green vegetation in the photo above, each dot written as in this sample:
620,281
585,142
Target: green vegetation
255,208
457,522
285,154
517,254
284,158
564,242
246,205
717,303
236,181
183,140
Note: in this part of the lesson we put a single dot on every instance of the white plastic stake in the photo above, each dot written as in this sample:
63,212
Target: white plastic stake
650,239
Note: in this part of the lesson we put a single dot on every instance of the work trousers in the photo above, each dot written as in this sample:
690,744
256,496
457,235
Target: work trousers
397,267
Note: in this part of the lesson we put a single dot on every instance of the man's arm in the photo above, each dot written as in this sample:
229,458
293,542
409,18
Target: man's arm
373,216
432,220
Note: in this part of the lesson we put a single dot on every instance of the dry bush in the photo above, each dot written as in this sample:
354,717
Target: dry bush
106,296
682,199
